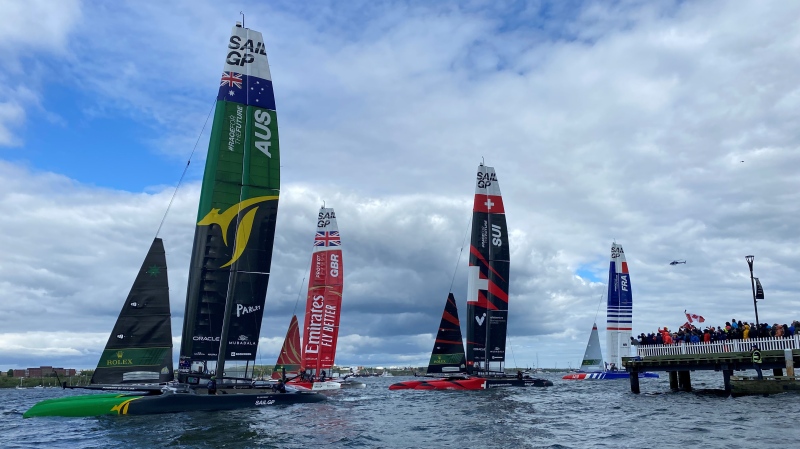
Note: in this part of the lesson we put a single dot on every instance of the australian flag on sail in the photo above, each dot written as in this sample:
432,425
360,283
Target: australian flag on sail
244,89
325,238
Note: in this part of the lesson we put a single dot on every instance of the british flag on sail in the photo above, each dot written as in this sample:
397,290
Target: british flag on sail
231,79
325,238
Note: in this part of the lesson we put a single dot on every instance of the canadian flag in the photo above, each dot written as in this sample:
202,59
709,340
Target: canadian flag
693,317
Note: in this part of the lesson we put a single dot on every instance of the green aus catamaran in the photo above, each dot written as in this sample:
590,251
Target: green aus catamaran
228,274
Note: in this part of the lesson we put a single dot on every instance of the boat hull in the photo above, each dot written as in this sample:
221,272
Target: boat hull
317,386
470,383
350,383
607,375
136,404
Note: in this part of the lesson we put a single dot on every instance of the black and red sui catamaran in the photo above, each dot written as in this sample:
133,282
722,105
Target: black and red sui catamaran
487,307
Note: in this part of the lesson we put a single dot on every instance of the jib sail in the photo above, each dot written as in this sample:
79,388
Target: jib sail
290,358
447,355
139,349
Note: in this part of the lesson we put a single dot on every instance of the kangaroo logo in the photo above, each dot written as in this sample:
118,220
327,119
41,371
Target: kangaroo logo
223,220
480,319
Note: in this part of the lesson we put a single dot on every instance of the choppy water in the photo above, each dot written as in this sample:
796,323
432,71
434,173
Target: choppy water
570,414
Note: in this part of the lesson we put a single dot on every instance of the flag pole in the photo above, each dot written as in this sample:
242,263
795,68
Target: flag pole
753,285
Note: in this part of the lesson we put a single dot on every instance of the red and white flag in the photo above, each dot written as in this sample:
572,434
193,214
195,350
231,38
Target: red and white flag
693,317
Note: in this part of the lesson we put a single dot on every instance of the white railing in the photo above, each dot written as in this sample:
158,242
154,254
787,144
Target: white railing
718,347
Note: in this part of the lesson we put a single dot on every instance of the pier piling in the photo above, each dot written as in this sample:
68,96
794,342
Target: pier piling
684,381
673,380
635,382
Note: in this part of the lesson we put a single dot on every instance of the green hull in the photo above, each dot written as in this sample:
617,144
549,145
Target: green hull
80,406
136,404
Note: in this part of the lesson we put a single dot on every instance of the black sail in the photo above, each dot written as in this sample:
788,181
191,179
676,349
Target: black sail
487,290
447,355
139,349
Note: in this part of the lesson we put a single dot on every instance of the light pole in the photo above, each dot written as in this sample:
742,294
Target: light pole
753,285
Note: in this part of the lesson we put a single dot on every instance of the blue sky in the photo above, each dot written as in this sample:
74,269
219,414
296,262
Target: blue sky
605,121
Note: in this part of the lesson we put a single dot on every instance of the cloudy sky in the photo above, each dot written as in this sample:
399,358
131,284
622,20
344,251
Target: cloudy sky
670,127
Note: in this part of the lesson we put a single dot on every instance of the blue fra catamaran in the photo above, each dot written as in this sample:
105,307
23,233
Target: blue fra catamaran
619,319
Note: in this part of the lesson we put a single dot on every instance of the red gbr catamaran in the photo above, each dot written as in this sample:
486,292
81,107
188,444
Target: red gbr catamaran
487,307
323,306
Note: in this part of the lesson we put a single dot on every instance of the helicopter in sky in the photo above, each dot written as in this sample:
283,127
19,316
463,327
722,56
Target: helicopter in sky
676,262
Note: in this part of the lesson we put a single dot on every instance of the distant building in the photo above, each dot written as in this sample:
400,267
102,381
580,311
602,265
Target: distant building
44,371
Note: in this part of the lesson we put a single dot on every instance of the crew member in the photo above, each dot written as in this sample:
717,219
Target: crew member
212,385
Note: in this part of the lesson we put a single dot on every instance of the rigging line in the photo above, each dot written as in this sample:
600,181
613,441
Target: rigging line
511,347
460,252
598,308
299,290
185,169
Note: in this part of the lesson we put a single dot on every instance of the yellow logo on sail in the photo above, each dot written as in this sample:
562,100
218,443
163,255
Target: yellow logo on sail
223,220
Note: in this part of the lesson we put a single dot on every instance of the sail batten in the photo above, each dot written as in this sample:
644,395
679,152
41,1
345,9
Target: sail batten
237,212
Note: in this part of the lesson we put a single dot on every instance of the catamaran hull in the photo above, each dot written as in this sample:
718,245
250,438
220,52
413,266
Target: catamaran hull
132,404
609,375
317,386
349,383
472,383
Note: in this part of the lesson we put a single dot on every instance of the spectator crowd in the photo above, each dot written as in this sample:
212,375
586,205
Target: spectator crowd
689,333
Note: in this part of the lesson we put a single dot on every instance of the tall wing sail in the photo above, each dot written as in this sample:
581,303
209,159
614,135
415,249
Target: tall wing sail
593,357
289,359
487,288
324,300
238,207
447,355
139,349
619,314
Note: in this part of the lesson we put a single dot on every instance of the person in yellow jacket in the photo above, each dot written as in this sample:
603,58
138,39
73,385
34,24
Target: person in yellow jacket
756,355
746,332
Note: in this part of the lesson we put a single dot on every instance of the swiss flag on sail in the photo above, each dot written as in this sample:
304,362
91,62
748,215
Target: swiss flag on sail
492,204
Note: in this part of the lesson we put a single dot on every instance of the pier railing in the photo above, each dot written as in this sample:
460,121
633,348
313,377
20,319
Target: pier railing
717,347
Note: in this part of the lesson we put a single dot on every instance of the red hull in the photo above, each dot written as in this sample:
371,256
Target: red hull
474,383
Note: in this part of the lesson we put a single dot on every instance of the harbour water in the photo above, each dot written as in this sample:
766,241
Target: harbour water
570,414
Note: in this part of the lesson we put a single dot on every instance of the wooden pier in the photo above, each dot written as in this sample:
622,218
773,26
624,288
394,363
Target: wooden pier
728,356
